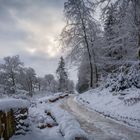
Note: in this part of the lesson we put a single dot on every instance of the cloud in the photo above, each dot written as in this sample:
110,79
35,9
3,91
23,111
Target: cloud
30,28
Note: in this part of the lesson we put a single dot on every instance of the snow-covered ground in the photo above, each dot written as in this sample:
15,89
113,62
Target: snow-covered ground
11,103
48,121
123,106
40,121
58,117
98,126
69,126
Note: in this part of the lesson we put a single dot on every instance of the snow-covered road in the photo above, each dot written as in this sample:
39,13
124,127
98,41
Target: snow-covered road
98,126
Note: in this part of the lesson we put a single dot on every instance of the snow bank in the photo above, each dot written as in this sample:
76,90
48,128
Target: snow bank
42,125
44,112
39,117
114,105
11,103
69,127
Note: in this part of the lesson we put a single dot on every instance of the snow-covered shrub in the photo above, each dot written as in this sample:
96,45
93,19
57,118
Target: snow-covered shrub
134,75
21,121
126,77
132,99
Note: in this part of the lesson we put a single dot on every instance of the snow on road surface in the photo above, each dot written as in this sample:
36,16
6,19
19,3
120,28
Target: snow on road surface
68,125
123,106
98,126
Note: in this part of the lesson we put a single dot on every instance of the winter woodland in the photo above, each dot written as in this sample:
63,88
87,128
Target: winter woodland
102,39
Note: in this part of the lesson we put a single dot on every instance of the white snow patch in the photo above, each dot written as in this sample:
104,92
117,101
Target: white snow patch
11,103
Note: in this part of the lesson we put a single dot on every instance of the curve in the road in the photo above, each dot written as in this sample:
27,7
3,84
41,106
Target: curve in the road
97,125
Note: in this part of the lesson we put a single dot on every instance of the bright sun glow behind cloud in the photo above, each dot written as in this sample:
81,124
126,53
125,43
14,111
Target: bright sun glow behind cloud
42,38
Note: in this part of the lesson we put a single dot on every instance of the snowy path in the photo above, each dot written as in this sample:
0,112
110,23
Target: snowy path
98,126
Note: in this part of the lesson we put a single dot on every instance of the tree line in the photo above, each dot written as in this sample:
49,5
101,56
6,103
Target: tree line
15,78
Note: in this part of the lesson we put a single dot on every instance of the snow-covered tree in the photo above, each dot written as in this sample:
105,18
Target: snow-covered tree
80,32
62,76
120,36
27,79
110,20
3,82
126,7
39,82
30,79
49,83
83,75
126,77
10,69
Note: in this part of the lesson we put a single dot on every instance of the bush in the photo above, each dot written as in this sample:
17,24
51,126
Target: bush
126,77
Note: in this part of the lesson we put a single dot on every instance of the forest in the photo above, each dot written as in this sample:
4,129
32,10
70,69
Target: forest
101,39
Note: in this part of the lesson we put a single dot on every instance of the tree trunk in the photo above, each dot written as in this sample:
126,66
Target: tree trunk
89,54
90,58
39,86
87,45
13,82
95,67
91,67
139,46
136,4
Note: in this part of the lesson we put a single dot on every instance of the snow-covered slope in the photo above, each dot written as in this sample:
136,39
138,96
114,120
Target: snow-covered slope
124,106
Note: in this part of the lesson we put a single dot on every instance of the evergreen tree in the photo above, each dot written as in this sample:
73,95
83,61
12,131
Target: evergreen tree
109,23
62,76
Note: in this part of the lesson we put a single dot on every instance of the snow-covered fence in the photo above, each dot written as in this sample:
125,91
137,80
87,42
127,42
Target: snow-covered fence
13,113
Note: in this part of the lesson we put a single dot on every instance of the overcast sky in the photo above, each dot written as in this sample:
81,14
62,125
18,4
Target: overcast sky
30,28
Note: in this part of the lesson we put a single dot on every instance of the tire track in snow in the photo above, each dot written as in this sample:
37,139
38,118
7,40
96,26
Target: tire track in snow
96,125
